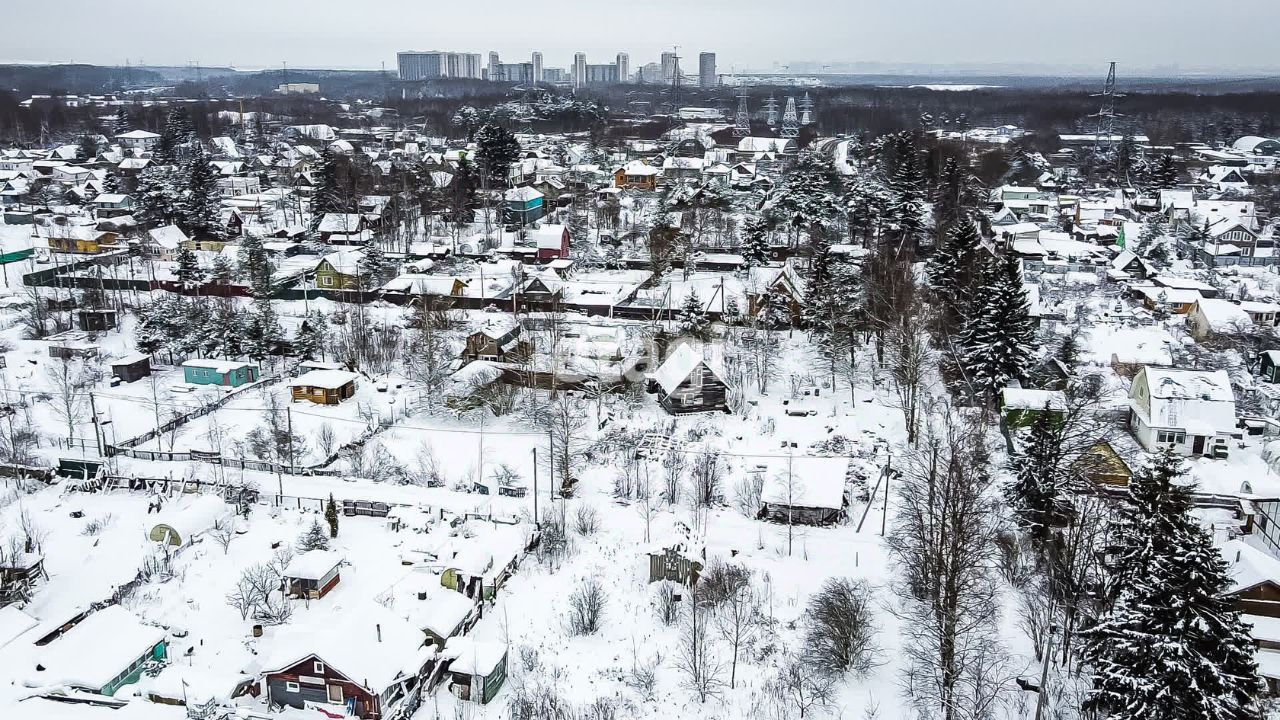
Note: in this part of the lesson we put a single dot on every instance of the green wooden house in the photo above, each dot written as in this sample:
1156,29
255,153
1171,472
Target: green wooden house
1271,366
1020,407
102,653
477,669
340,271
228,373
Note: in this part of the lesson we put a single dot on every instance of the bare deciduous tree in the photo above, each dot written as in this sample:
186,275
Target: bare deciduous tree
696,658
586,607
943,538
839,634
797,689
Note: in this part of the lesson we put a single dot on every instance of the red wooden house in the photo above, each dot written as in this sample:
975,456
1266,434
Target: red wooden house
552,242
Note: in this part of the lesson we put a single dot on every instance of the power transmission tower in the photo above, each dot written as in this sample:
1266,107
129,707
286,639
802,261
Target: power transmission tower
675,81
806,110
771,112
742,121
1107,114
790,120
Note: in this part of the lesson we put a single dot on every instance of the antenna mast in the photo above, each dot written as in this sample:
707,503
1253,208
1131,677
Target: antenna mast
790,120
742,121
771,111
1107,114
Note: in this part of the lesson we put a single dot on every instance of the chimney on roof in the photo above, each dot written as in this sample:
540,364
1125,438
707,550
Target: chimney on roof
378,627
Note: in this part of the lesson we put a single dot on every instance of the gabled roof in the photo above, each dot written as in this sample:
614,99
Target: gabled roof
341,223
678,366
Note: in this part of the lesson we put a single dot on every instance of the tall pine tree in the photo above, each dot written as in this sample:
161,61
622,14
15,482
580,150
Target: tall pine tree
1036,491
1171,646
999,339
201,206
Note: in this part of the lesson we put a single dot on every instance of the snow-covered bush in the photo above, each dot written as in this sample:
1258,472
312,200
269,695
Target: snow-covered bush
586,608
839,629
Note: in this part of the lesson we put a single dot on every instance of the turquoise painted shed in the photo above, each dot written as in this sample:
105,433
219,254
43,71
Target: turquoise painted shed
228,373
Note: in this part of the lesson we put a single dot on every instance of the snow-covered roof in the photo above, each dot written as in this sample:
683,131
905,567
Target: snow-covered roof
220,366
346,262
14,623
1169,295
312,564
192,517
1222,314
327,379
442,611
1025,399
1187,398
1250,566
110,199
137,135
548,237
473,657
95,651
370,645
1249,143
639,168
521,194
169,237
765,144
341,223
677,367
812,482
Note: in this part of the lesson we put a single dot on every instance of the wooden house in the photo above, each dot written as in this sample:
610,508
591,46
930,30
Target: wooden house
780,282
91,320
1271,366
340,271
227,373
636,175
552,242
523,205
312,574
324,387
342,228
131,367
163,243
112,205
102,653
1191,411
366,662
1020,407
477,669
497,341
78,239
687,382
1102,465
805,491
441,613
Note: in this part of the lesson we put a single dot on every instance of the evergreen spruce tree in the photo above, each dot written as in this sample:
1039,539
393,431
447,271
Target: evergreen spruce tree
1164,174
331,516
810,193
373,265
496,149
755,248
314,538
692,317
328,193
262,330
157,197
954,271
255,266
1171,646
907,209
111,183
998,341
310,342
201,204
169,148
1036,491
775,310
820,302
188,272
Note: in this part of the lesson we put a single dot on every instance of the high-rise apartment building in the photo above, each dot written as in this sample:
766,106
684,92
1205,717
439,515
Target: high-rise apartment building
670,66
579,69
707,70
495,68
537,67
624,67
432,64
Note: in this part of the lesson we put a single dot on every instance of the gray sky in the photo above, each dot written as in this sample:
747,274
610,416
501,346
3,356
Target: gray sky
744,33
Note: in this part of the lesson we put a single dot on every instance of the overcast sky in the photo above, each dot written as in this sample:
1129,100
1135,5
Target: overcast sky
744,33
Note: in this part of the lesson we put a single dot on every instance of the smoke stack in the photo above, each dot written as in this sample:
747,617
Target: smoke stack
379,629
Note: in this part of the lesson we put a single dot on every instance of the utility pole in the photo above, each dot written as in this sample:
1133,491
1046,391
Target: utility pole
97,431
1044,668
884,512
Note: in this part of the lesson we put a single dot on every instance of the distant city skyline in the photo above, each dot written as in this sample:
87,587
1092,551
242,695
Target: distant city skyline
932,34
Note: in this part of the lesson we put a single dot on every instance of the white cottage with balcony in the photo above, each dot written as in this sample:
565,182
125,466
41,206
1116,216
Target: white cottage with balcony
1192,411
